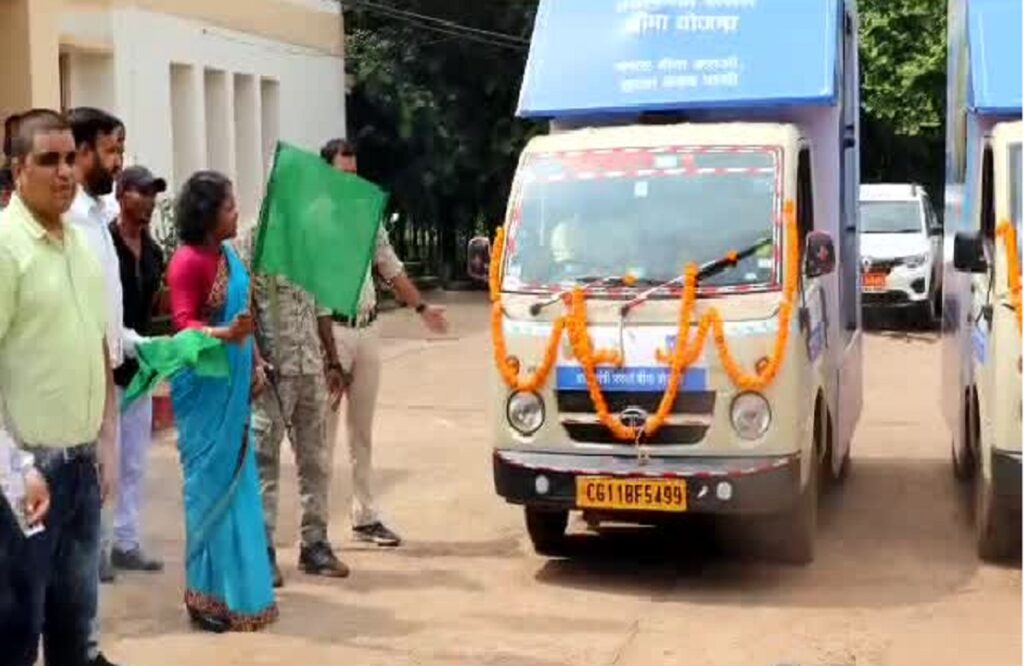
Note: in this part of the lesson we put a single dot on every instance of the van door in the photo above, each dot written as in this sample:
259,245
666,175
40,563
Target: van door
851,378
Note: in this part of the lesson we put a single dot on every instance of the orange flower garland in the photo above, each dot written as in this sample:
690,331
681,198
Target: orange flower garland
1008,233
509,371
764,378
680,359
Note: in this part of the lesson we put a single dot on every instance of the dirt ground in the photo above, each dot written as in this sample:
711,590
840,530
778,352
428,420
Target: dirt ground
896,581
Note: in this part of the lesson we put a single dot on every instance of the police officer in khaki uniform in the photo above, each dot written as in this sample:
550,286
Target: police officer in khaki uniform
294,337
358,345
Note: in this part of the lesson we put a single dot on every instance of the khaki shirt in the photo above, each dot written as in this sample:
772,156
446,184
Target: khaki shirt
53,318
388,267
286,319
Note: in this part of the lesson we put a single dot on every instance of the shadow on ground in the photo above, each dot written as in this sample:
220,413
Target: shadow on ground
874,535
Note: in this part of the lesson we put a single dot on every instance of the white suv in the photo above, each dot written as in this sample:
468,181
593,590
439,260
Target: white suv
900,249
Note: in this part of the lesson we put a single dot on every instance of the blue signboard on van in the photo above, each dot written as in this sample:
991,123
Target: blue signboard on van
995,39
594,57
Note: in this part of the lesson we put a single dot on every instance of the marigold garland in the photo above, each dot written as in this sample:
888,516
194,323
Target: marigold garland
508,371
1008,233
679,360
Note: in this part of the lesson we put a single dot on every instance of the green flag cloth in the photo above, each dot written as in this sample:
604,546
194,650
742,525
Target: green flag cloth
318,228
162,358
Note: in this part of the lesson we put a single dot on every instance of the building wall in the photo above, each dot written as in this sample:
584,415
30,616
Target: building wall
314,24
196,95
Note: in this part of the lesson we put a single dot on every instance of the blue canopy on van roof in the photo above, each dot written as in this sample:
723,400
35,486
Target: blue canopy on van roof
994,33
596,57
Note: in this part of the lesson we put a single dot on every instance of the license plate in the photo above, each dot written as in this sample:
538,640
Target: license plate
594,492
875,281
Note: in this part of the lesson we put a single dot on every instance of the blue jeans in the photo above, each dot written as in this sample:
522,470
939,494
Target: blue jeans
59,565
16,625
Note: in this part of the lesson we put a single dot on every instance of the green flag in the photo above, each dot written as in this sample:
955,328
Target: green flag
162,358
318,228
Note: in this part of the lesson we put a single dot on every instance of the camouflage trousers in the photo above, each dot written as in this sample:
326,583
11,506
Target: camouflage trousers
304,399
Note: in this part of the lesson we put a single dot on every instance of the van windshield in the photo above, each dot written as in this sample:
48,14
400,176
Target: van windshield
891,217
643,213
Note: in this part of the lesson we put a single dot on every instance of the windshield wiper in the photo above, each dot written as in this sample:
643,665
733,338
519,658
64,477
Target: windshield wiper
589,282
710,269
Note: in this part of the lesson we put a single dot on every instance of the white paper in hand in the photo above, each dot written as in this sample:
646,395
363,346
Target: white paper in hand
12,482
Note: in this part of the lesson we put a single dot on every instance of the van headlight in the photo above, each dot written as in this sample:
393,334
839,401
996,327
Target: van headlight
917,261
751,415
525,412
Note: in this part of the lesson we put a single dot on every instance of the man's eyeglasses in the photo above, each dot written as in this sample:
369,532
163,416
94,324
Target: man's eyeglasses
52,159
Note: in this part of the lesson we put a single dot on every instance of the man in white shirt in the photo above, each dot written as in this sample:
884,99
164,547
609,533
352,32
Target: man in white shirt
99,140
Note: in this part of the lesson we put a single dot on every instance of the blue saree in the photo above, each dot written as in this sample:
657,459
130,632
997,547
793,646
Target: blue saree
228,570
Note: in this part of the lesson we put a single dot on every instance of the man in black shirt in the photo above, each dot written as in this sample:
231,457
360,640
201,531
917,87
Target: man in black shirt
142,270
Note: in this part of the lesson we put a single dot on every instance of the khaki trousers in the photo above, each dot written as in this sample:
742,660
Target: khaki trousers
359,353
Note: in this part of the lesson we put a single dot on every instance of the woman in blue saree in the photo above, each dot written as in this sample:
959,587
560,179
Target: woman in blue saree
229,584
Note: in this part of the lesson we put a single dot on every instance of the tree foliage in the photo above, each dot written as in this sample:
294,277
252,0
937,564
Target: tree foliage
903,91
434,112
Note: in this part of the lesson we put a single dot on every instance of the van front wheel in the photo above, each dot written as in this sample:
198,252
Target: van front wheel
547,530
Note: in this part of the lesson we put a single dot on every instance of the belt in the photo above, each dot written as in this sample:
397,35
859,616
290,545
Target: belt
85,452
361,321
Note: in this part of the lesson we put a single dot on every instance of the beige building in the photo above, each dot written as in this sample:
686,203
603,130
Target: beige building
198,83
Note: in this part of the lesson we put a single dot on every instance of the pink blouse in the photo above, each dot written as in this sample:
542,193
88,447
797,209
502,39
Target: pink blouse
191,276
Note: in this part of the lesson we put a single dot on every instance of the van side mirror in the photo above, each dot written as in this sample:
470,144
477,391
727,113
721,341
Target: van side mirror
478,259
821,255
969,252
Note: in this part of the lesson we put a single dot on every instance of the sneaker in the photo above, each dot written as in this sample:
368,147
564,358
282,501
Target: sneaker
319,560
377,533
135,560
107,573
100,660
275,570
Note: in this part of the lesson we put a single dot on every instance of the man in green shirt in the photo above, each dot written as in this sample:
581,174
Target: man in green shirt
57,390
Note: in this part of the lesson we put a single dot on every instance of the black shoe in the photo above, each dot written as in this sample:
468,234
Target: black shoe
275,570
319,560
107,573
135,560
100,660
377,533
204,622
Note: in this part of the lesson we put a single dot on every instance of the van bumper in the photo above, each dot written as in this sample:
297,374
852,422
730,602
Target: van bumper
1006,477
756,485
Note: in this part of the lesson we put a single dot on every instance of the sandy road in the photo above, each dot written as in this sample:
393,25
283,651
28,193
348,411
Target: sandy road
896,580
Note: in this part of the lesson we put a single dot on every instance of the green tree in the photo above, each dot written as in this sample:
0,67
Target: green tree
903,91
434,116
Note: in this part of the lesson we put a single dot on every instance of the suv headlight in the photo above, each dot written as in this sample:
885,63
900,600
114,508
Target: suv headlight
525,412
917,261
751,415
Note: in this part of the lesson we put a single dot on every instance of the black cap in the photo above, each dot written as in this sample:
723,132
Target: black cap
140,179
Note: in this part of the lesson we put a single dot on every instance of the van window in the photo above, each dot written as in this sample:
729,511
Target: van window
804,197
988,207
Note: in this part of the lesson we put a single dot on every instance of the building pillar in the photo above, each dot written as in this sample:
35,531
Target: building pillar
29,55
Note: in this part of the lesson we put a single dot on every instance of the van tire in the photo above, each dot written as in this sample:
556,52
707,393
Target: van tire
964,466
924,314
547,530
790,535
997,528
